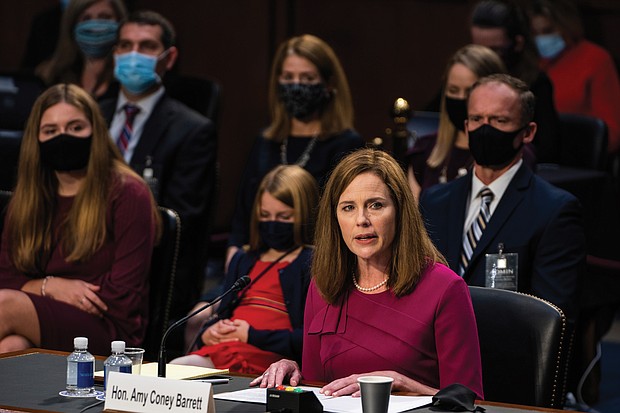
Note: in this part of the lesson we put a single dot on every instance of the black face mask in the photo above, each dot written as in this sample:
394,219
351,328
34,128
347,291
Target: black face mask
457,112
277,235
302,100
66,152
492,147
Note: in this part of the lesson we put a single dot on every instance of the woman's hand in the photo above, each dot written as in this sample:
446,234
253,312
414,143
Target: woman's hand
349,386
77,293
242,329
277,373
226,331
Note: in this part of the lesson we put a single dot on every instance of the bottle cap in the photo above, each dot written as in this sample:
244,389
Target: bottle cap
118,346
80,342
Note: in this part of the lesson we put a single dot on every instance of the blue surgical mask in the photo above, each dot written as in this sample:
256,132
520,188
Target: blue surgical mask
550,45
95,38
136,71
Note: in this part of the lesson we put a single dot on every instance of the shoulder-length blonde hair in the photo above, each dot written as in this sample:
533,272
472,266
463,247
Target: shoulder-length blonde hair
337,115
412,250
67,62
482,61
293,186
32,205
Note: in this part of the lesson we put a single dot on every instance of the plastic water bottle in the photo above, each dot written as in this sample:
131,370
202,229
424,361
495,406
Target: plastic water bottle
117,361
80,368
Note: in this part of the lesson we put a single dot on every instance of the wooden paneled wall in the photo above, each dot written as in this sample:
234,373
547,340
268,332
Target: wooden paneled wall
389,49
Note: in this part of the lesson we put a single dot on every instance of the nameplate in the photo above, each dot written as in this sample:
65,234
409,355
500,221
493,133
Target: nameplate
143,394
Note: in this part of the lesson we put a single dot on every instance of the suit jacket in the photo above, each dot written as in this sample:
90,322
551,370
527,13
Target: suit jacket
534,219
182,146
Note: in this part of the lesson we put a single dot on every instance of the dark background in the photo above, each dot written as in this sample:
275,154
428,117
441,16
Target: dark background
389,49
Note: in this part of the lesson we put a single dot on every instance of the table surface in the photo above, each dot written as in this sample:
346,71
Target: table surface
30,381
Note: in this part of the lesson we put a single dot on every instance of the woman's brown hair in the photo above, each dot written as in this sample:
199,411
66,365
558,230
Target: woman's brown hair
412,250
337,115
67,61
482,61
32,205
293,186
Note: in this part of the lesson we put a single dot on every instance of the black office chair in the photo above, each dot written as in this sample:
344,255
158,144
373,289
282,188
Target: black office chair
584,141
423,123
10,143
599,302
5,198
201,94
18,91
524,347
163,273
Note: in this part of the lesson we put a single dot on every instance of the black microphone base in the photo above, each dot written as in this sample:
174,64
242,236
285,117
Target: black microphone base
161,363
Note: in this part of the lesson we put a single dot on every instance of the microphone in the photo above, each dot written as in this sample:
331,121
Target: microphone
239,285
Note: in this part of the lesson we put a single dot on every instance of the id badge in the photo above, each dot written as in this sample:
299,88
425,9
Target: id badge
502,271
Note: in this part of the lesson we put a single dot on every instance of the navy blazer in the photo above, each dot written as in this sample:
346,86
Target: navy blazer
182,146
534,219
295,280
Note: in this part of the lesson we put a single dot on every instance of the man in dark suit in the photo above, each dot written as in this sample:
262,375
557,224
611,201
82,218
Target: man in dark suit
170,145
528,216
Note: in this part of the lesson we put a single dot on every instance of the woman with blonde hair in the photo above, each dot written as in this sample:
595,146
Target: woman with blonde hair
83,54
311,122
77,243
264,322
381,300
445,156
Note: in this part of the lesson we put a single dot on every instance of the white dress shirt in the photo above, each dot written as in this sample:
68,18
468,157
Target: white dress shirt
498,187
146,106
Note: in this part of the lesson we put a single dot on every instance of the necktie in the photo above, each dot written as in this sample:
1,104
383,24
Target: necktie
471,238
130,114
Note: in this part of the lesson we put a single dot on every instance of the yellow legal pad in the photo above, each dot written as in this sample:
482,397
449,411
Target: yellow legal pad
174,371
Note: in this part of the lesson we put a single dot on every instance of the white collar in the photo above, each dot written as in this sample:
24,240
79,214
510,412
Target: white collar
498,186
146,104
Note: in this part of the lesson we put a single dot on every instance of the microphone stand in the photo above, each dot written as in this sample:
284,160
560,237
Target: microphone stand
240,284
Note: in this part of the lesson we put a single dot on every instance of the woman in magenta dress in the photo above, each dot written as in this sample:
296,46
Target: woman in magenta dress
264,322
78,234
381,301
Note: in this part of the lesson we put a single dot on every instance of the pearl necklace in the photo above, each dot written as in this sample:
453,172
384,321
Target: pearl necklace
368,289
303,158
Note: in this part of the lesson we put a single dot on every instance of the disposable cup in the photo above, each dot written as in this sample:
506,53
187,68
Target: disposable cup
375,393
136,355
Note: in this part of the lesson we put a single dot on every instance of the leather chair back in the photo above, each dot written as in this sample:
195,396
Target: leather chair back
163,274
523,345
201,94
18,91
584,141
5,198
10,143
423,123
